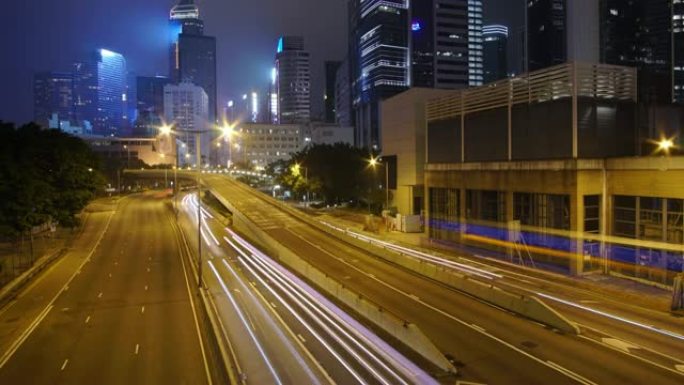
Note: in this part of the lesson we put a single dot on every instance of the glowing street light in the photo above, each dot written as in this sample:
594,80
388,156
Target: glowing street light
665,145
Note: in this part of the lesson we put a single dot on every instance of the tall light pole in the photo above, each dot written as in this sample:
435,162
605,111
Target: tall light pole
373,162
227,131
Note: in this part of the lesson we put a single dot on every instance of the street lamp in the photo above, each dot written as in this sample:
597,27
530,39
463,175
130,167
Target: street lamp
665,145
296,171
377,161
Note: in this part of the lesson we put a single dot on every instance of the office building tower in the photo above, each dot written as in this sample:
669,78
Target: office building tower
293,81
100,91
648,35
52,94
343,111
559,31
379,61
446,43
495,47
192,54
187,107
331,68
150,104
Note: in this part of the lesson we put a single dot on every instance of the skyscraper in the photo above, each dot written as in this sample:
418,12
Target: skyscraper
52,94
495,52
380,61
343,112
399,44
100,91
446,43
150,104
561,30
293,80
187,106
192,54
648,35
331,68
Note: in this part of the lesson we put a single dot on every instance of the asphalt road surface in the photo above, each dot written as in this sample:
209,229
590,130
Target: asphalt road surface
126,317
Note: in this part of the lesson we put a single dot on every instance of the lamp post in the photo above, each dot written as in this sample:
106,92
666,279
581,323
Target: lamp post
226,130
373,162
296,171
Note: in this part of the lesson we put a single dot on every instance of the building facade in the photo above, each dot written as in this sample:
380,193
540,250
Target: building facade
150,104
331,68
575,197
379,57
186,107
100,91
192,54
53,94
262,144
559,31
648,35
495,52
343,110
293,81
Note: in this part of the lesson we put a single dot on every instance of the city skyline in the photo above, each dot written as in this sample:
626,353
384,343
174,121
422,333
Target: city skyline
141,35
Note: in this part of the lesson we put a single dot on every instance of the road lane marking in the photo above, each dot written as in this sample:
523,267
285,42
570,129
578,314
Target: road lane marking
99,295
142,310
148,269
110,275
64,365
680,368
555,367
570,374
301,338
137,348
478,327
20,340
615,317
145,287
87,319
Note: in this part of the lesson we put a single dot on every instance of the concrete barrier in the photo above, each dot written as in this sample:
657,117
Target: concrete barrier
407,333
524,305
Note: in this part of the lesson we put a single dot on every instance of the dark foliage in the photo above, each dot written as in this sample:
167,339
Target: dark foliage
45,175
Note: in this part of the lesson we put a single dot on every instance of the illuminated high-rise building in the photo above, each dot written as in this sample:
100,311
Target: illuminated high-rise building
100,91
192,54
187,107
398,44
150,104
495,47
293,81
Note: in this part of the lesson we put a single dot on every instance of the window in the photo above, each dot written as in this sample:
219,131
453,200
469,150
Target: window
592,214
485,205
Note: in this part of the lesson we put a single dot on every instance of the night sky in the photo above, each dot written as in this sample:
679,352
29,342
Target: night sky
40,35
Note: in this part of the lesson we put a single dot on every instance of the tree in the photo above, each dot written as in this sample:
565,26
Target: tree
45,175
337,173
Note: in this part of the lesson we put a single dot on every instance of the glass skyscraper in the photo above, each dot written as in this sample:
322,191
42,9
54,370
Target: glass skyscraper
495,52
192,54
100,91
293,81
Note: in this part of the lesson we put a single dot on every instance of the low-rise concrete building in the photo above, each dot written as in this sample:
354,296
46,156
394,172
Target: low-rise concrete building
548,167
261,144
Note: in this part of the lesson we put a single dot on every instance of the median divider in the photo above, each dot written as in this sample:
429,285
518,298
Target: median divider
522,304
404,331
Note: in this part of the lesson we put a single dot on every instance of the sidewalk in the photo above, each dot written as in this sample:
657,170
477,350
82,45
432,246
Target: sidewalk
636,293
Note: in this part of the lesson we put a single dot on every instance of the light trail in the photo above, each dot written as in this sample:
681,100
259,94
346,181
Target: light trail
246,325
325,311
613,316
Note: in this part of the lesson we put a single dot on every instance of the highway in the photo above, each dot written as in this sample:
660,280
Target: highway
489,344
125,317
283,331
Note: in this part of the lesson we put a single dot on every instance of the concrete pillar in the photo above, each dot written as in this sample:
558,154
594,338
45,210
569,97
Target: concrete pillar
576,262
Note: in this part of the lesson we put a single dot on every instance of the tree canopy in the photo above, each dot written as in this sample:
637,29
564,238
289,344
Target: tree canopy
336,173
45,175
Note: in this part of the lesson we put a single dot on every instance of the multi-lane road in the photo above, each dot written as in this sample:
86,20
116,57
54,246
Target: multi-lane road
124,315
489,344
